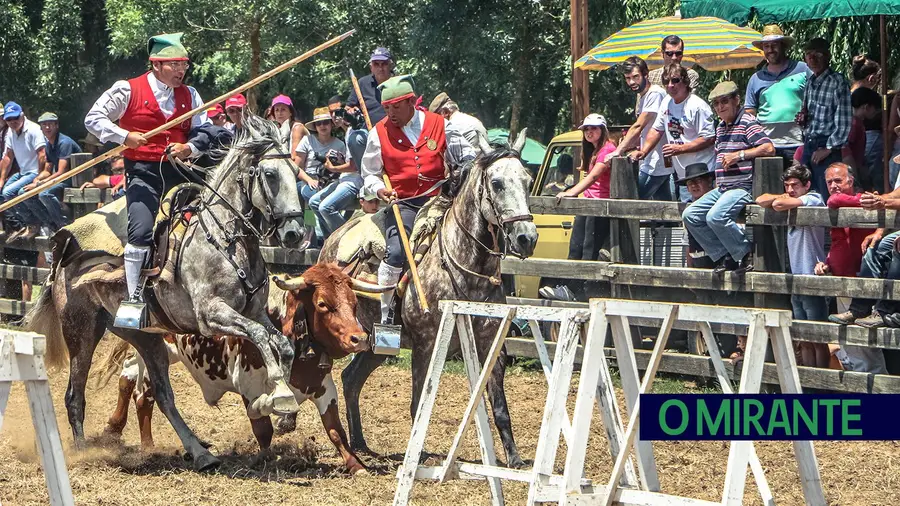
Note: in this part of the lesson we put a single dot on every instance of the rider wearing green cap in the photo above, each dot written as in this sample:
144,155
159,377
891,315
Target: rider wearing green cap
140,105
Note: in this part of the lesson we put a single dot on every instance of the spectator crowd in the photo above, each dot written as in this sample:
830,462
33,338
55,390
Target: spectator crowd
701,150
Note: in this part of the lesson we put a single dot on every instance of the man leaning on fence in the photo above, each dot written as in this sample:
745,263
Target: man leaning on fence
806,248
711,220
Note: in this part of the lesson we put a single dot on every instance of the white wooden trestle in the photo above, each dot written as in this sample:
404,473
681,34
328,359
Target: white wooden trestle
628,483
22,359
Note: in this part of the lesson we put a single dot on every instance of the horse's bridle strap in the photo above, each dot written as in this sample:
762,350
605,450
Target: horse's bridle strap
521,217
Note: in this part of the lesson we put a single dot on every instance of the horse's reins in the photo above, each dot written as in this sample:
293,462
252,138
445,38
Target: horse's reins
270,215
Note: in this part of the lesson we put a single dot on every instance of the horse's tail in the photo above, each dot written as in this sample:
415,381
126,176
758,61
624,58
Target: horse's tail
43,318
111,363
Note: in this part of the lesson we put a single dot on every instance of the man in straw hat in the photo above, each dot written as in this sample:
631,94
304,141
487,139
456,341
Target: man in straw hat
410,146
775,93
139,105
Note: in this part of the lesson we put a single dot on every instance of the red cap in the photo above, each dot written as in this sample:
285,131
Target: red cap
214,111
236,101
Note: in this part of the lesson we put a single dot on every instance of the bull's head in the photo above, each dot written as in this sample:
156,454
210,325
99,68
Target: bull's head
330,304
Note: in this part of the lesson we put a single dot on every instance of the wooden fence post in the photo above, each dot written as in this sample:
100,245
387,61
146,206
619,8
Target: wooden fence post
769,242
624,234
79,210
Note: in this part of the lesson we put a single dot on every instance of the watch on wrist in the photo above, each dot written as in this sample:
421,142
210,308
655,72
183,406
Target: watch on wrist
742,155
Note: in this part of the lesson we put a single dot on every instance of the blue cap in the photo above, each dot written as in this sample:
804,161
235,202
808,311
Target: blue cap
380,54
11,110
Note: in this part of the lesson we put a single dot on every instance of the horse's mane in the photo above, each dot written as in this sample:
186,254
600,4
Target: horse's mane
257,136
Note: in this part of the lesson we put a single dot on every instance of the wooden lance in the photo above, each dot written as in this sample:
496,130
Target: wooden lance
404,239
49,183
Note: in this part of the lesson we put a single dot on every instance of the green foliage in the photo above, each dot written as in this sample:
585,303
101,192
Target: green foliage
491,57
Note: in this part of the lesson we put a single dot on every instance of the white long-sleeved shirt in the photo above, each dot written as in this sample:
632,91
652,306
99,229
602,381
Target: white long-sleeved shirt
111,105
458,151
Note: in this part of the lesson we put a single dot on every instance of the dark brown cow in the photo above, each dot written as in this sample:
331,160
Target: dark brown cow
323,301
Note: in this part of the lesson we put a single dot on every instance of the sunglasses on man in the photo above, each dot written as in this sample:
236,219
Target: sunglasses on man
673,80
670,54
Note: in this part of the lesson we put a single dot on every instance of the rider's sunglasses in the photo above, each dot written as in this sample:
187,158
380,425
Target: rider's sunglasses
670,54
673,80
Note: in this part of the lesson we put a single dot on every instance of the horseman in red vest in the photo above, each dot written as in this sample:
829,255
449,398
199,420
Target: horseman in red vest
412,147
140,105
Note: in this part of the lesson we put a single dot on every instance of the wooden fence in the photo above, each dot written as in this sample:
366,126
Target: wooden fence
766,287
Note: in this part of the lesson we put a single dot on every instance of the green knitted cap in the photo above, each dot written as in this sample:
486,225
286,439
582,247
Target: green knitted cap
166,47
397,88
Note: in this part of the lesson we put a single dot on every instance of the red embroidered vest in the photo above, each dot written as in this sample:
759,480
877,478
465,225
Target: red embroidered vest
143,114
413,169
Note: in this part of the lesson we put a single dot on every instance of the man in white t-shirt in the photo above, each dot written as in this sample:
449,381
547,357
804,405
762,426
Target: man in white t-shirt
25,144
686,121
654,177
469,126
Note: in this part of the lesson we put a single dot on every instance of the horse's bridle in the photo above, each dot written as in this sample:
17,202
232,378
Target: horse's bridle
496,250
270,216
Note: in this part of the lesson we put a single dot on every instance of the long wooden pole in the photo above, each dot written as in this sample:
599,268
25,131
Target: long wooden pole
404,239
190,114
885,113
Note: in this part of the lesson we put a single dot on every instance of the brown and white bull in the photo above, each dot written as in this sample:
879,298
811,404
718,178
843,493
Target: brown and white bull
321,302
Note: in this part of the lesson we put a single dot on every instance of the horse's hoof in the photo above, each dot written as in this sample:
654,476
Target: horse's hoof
516,463
206,462
285,425
359,472
283,402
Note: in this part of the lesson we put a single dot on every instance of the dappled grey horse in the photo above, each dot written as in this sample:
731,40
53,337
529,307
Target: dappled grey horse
220,285
486,221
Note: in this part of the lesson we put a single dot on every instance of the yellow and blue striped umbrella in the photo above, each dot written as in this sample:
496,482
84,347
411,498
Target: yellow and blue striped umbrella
712,43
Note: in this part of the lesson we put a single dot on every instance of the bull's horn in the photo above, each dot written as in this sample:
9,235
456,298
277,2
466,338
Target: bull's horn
289,284
362,286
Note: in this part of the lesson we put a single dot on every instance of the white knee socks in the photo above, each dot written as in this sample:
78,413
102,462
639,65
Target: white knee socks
387,275
134,262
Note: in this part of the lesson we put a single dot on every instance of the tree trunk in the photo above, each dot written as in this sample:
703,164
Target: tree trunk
522,78
255,54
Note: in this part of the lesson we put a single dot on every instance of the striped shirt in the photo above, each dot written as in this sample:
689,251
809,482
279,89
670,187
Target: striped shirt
828,111
745,133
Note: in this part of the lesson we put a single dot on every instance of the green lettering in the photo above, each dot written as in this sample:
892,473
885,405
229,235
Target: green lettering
704,418
779,418
812,424
829,405
753,418
737,418
846,417
662,417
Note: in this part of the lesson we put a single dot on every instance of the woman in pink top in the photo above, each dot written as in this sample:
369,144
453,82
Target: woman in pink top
589,233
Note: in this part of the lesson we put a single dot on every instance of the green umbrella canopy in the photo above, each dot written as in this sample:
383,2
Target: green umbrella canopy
739,12
532,153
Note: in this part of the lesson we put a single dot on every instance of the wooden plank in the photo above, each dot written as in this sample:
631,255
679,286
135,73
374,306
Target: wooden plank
485,439
22,273
478,386
87,196
48,441
753,215
407,472
624,235
524,312
289,256
14,307
701,366
704,279
39,243
813,332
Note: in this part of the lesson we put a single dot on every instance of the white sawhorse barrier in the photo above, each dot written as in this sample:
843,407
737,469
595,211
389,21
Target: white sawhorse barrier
22,359
595,386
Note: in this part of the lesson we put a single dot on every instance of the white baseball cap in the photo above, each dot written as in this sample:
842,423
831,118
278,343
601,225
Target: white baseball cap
593,119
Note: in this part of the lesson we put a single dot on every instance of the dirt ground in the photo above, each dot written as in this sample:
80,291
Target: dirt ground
308,470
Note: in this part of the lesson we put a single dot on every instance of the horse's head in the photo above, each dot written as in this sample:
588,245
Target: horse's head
268,179
505,186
